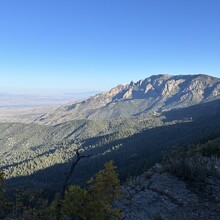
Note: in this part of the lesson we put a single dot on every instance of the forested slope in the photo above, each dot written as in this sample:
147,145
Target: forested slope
134,144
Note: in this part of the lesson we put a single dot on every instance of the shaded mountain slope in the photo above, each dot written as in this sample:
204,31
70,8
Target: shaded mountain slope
133,148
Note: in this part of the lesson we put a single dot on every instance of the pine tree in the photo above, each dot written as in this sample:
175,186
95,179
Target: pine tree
76,202
96,201
104,189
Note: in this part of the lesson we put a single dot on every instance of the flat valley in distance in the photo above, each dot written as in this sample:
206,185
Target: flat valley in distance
27,105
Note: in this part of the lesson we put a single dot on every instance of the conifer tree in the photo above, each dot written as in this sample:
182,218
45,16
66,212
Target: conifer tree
96,201
104,189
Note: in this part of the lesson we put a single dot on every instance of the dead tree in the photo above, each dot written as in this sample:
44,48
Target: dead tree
65,183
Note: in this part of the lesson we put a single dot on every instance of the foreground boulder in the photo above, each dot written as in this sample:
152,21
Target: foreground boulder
160,195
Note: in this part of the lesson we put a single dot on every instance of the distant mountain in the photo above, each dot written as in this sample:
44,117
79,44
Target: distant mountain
157,93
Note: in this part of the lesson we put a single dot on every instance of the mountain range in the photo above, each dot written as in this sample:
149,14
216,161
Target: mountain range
155,94
134,125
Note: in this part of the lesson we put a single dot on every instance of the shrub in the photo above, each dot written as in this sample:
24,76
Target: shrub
185,164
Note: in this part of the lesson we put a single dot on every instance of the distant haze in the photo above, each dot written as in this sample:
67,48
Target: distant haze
39,98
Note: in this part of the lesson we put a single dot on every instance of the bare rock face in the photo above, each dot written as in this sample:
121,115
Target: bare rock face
113,91
148,88
174,189
128,94
145,205
216,90
156,93
164,196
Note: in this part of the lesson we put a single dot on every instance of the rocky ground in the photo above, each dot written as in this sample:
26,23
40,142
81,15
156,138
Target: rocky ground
160,195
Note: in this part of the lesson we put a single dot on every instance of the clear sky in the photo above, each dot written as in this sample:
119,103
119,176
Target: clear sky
84,45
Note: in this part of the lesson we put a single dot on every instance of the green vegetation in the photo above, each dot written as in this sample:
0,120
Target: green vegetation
32,154
37,157
29,204
2,196
196,162
95,202
5,205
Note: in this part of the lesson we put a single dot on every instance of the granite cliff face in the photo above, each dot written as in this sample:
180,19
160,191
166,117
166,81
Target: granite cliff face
154,94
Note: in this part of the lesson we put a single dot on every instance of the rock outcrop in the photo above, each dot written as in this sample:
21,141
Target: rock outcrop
160,195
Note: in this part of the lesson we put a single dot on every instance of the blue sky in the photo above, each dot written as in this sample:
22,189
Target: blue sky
87,45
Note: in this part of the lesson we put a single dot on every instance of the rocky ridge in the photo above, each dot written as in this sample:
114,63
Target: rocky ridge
157,93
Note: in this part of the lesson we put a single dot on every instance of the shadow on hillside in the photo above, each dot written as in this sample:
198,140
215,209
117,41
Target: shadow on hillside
27,160
200,111
133,154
